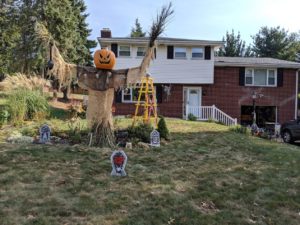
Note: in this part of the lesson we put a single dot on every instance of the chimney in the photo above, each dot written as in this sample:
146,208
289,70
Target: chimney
105,33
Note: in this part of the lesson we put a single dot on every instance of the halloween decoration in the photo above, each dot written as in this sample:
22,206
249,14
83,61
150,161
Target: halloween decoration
155,139
45,132
118,162
104,59
149,105
101,83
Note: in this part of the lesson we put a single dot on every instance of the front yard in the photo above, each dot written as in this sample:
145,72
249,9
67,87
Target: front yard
205,175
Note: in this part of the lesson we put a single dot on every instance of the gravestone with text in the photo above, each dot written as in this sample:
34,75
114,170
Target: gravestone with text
45,133
155,138
118,162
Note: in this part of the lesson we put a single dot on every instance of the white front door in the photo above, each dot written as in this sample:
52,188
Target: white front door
194,101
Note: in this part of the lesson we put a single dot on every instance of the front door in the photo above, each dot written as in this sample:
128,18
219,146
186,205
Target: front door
194,101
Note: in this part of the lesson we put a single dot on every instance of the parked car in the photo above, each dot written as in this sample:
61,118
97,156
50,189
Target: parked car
290,131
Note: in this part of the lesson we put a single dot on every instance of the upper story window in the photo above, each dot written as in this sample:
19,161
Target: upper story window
140,51
197,53
260,77
124,50
179,53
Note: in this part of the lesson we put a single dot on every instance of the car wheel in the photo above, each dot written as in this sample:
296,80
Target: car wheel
287,137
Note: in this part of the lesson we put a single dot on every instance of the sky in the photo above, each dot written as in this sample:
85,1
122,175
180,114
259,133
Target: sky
194,19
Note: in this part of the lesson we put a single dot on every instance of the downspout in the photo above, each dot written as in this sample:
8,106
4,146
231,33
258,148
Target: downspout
296,99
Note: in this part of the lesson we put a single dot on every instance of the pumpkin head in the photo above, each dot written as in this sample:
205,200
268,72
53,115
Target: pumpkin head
104,59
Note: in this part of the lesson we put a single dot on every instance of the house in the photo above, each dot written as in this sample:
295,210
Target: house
189,79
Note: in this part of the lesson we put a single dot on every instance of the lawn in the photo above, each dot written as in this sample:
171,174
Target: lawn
205,175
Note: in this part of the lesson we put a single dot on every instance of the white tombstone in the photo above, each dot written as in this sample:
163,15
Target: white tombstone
155,138
118,162
45,133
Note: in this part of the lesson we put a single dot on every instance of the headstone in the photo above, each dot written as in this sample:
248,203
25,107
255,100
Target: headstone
45,133
118,162
155,138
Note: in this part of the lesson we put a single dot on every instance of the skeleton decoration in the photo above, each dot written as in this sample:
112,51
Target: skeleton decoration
118,162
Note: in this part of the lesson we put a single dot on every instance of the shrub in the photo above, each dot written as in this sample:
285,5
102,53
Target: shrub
141,132
25,104
240,129
163,129
192,117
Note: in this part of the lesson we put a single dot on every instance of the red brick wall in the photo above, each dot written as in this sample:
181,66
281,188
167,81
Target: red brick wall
227,95
171,106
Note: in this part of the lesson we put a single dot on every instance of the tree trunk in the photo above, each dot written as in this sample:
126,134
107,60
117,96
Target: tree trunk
99,115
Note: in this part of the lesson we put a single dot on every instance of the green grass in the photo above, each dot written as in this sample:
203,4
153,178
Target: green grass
205,175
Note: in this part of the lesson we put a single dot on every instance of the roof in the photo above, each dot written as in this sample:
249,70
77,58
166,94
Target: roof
255,62
160,40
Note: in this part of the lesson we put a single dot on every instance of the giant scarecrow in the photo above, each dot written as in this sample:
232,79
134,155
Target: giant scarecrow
102,81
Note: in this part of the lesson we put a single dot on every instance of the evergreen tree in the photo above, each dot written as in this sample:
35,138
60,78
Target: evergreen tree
234,46
137,31
275,42
66,21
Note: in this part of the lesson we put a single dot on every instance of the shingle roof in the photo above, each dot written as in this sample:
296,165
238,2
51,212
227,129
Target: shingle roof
161,40
252,61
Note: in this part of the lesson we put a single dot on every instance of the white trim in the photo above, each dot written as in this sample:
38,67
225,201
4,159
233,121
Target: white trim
124,56
174,53
137,47
188,88
266,85
197,58
131,89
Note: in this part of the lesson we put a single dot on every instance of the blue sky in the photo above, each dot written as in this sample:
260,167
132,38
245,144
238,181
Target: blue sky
195,19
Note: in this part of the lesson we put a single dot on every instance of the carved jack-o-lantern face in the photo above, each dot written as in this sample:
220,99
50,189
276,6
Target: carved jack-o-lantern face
104,59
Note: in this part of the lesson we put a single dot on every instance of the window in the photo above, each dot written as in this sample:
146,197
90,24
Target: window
124,50
260,77
197,53
179,53
130,95
141,51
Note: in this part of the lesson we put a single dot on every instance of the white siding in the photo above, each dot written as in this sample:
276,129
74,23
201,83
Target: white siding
180,71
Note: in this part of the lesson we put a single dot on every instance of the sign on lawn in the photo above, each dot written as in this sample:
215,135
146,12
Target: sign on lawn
118,162
155,138
45,133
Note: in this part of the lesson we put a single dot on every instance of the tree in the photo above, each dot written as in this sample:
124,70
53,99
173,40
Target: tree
66,21
234,46
137,31
9,34
275,42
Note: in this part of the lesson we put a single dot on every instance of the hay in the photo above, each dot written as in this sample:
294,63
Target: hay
99,114
63,71
20,80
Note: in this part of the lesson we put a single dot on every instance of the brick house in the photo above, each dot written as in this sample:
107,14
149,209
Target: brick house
189,79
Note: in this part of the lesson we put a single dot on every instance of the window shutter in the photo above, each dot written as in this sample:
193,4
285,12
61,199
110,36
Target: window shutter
159,93
114,48
279,77
207,51
170,54
118,96
242,76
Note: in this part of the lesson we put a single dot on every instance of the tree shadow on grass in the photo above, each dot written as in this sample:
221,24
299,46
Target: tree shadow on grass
58,113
